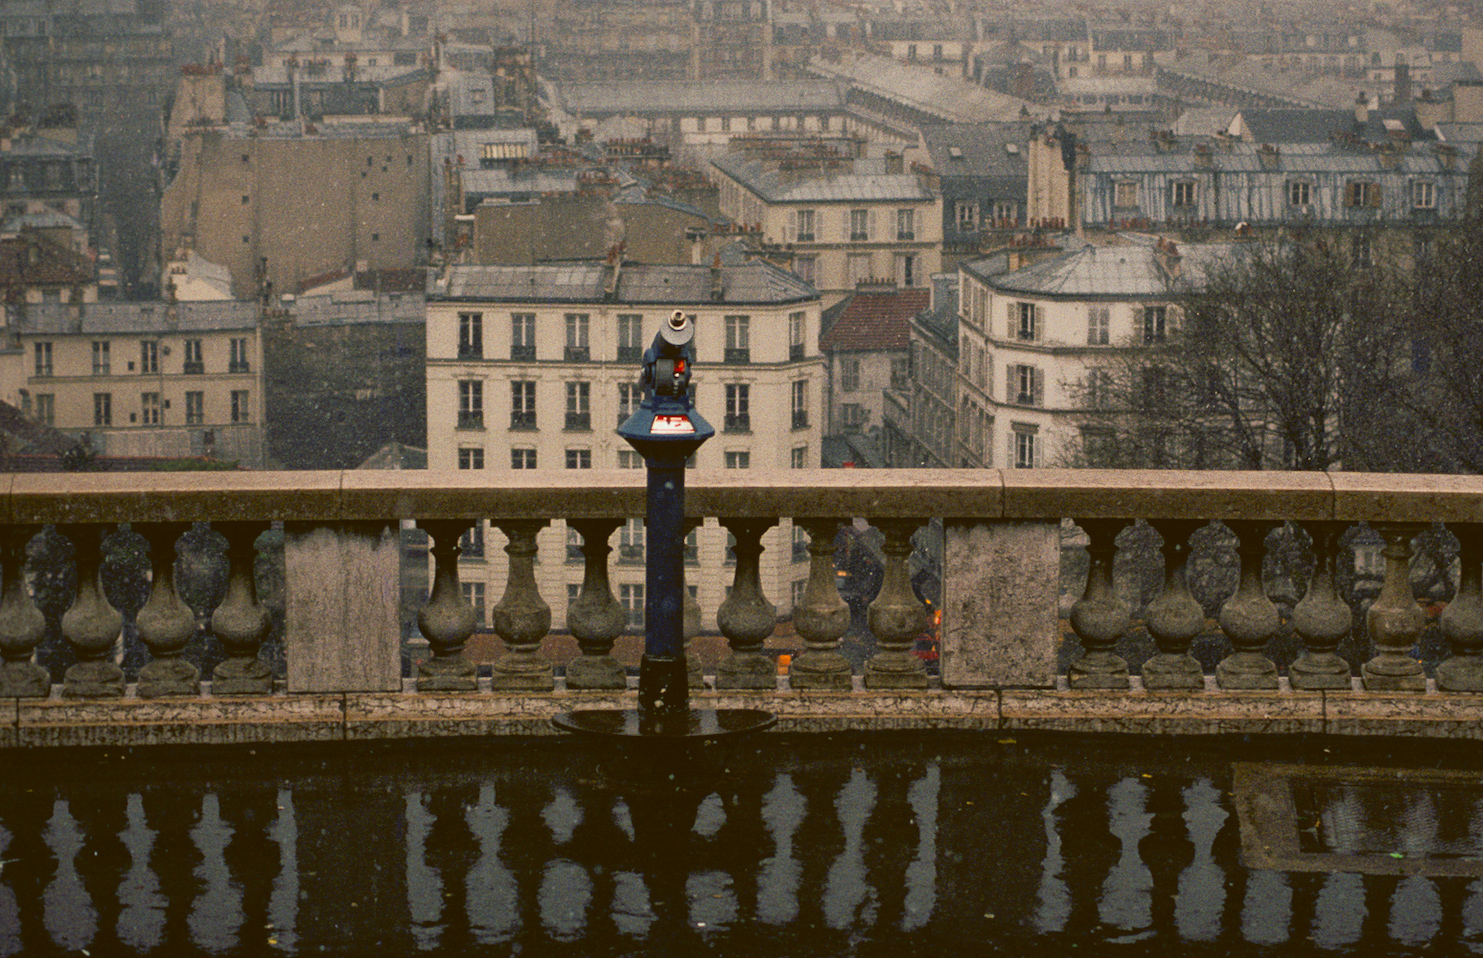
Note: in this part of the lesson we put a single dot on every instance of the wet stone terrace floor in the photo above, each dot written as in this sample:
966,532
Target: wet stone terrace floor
794,845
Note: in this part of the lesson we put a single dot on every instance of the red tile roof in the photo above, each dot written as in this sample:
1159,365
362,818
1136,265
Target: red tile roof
876,321
29,260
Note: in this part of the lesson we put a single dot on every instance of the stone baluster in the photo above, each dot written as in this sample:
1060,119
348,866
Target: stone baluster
822,617
22,626
91,626
694,676
1098,618
1174,618
1394,620
240,622
448,619
1248,618
522,618
1321,619
595,618
897,616
1462,620
746,618
165,623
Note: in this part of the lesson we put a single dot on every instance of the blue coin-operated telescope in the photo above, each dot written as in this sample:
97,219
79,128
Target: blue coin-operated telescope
666,430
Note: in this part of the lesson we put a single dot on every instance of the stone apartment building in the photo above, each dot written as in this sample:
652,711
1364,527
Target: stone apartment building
284,202
846,222
146,379
534,367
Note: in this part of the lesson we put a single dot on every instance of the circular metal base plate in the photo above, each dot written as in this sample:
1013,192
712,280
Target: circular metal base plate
695,725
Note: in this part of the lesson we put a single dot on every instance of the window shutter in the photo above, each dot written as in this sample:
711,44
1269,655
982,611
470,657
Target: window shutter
1038,317
1009,384
792,233
1375,195
1038,375
1009,330
870,233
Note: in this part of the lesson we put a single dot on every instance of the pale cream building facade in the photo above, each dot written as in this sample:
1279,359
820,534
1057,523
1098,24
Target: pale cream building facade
534,367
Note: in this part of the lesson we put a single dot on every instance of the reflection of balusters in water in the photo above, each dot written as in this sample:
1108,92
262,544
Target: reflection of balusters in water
737,848
169,812
283,902
1266,914
1165,851
890,837
1128,889
1197,908
566,890
921,873
1054,899
450,852
141,920
424,889
845,889
101,814
777,882
216,912
1415,911
1092,851
818,839
490,893
70,919
249,810
1339,911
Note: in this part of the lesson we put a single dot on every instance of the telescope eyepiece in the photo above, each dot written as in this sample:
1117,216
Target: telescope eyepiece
678,330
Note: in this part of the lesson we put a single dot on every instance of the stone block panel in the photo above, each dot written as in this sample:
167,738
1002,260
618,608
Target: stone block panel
1165,713
999,604
187,721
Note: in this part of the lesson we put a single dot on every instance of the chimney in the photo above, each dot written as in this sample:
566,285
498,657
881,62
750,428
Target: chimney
1403,83
717,290
1166,254
1362,108
893,162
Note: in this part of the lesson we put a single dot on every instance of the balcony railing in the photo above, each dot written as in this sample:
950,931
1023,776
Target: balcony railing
1000,637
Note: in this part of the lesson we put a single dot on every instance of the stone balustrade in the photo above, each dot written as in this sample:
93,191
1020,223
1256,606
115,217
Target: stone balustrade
1001,630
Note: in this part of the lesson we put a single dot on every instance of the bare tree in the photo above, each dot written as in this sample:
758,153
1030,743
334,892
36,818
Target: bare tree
1283,354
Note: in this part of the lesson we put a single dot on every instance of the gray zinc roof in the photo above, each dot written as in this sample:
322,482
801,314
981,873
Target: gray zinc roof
1113,272
585,99
143,317
981,148
777,186
754,282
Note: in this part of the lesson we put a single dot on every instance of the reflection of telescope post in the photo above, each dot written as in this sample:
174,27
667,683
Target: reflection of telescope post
666,430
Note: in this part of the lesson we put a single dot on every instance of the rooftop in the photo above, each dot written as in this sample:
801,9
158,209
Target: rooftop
819,186
585,282
978,149
1123,271
875,321
920,87
60,319
783,96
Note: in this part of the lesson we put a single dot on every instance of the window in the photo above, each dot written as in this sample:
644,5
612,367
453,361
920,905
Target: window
629,397
855,416
470,457
1099,326
798,458
471,545
1362,193
1424,195
795,335
806,268
101,361
470,335
906,224
149,356
42,354
859,267
102,409
631,597
523,336
1299,192
46,409
1024,447
966,214
522,405
1182,194
738,339
237,359
1098,388
470,404
522,458
860,225
630,459
806,226
1154,323
194,365
473,594
630,337
800,404
578,408
1025,326
1026,385
849,374
241,411
906,270
738,459
1125,194
195,408
1007,212
631,541
576,338
738,407
1098,446
579,458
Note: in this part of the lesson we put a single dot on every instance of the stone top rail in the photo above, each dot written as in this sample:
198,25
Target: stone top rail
354,495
